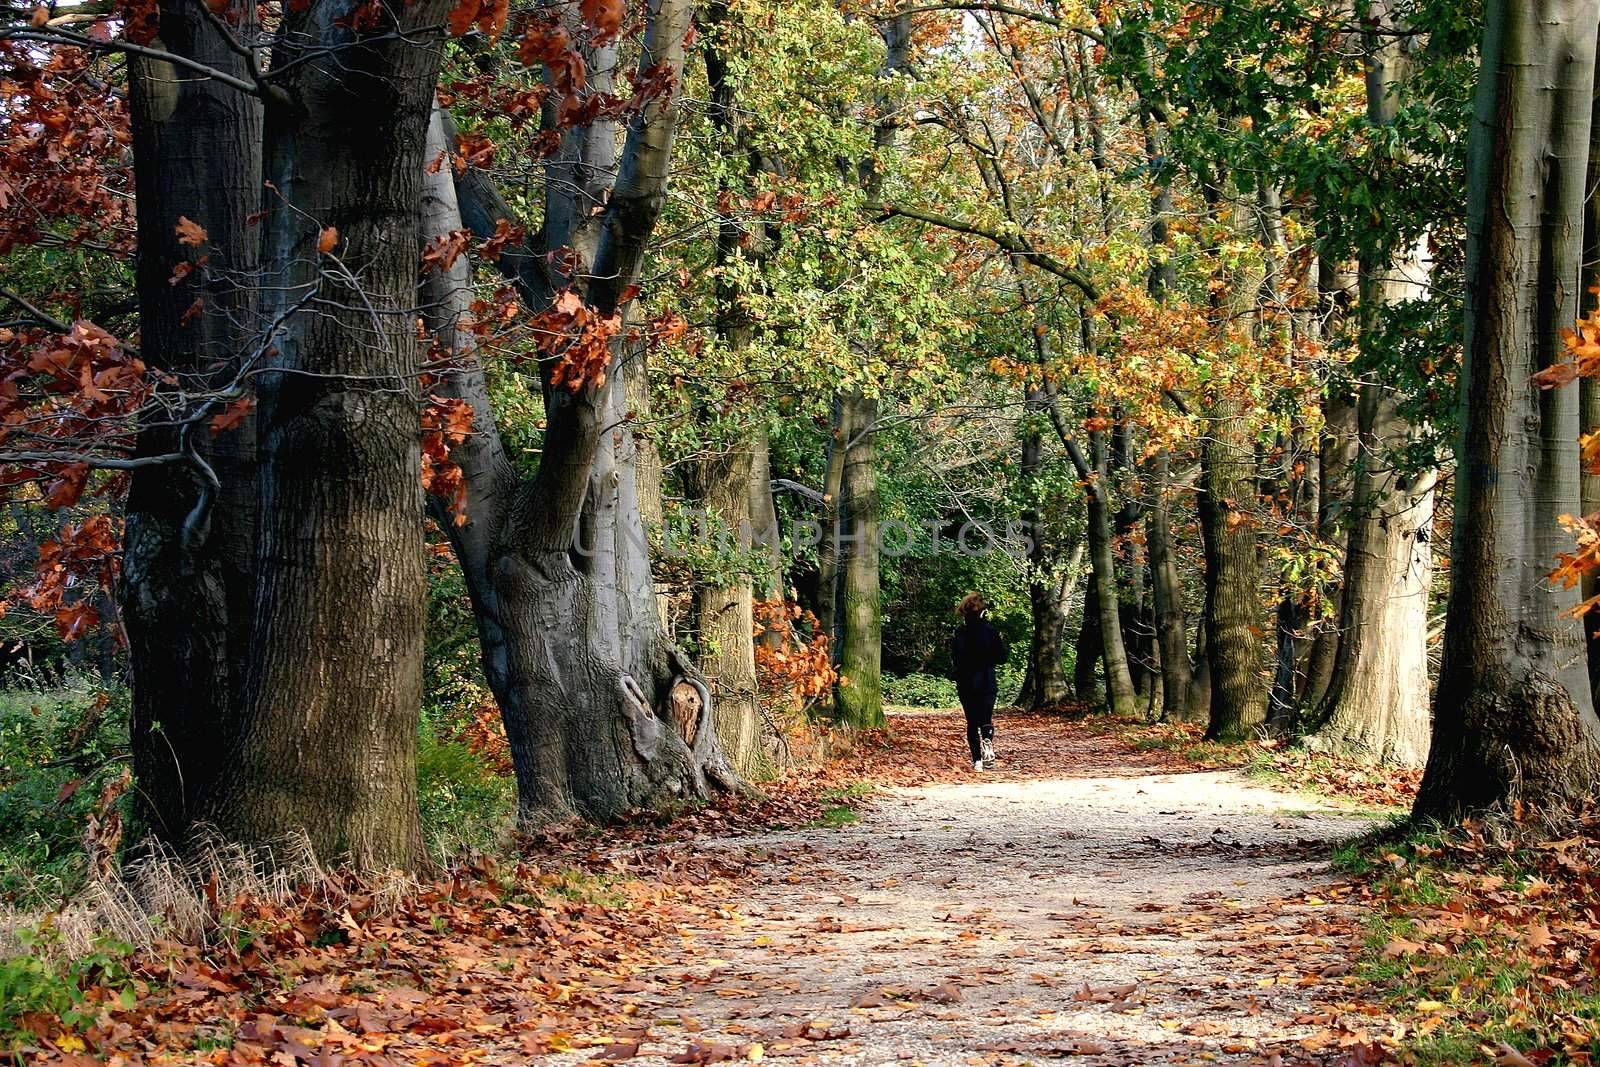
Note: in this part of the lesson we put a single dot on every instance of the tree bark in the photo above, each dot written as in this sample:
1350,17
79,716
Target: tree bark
1513,716
1233,600
188,556
603,714
1172,629
860,692
1121,696
1046,681
329,745
1376,704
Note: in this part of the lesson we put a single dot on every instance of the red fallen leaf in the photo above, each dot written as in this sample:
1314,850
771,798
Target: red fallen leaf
618,1050
190,232
327,239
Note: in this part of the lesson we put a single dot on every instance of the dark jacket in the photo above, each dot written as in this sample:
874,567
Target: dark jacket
975,651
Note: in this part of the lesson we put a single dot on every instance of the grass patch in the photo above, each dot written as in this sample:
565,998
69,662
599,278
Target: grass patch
1481,945
842,806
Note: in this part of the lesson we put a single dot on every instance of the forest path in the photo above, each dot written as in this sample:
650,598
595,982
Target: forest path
1067,904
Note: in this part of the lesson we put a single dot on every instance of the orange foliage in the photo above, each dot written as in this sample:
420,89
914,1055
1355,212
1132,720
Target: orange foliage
793,669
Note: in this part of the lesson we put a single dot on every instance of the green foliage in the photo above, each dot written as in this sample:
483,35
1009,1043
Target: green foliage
39,981
920,691
57,750
464,805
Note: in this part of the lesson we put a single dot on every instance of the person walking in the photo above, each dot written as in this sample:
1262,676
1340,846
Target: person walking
976,650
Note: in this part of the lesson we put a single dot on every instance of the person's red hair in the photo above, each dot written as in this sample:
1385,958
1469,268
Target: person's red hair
972,605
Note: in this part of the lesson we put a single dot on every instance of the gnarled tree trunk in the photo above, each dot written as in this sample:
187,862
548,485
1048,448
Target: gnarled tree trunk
603,714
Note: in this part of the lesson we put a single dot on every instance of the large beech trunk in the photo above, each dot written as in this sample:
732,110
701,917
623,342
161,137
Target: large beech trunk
188,558
1233,572
603,714
336,686
1376,703
1513,716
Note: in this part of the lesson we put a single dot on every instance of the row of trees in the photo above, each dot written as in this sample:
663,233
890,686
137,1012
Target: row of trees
1176,290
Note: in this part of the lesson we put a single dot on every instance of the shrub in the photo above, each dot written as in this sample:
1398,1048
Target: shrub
39,987
58,750
464,804
920,691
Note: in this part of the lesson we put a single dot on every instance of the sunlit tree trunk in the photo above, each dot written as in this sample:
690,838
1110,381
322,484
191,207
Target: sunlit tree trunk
860,693
1513,716
1233,573
1376,704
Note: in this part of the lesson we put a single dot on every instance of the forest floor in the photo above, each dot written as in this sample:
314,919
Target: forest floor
1105,896
1084,899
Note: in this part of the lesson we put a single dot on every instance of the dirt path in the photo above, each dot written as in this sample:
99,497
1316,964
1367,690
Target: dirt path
1066,905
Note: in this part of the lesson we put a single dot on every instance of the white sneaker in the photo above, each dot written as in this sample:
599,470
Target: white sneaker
988,755
977,764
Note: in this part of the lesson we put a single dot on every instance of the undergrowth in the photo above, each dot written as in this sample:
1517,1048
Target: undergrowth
1485,942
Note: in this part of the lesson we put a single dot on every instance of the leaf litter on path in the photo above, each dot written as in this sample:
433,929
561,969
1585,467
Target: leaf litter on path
1007,917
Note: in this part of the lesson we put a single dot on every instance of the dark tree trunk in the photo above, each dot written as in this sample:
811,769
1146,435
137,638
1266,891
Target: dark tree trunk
1333,492
1086,677
1046,682
329,744
1513,716
188,557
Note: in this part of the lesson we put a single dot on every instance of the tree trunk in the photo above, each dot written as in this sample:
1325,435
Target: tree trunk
1046,682
602,713
1087,685
1376,705
724,609
329,744
860,693
1513,716
1172,628
188,557
829,616
1121,696
1333,493
1233,600
764,519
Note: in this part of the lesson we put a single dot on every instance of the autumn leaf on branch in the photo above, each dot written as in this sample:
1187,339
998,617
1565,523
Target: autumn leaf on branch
603,17
190,232
233,416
